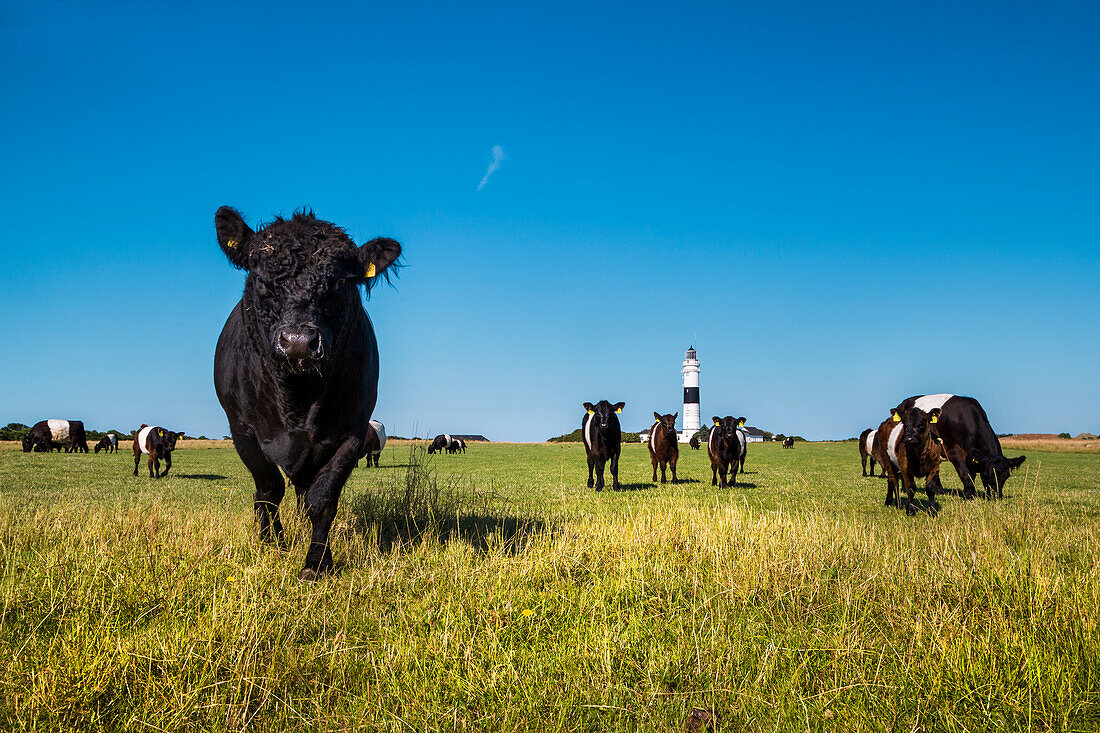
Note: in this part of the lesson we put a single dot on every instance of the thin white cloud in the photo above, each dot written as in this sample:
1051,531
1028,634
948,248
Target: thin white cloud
498,158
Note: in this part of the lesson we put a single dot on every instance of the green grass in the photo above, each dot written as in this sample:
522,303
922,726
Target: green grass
493,591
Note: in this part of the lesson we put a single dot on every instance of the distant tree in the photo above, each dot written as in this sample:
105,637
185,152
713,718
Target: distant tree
14,431
780,436
573,437
767,435
1064,435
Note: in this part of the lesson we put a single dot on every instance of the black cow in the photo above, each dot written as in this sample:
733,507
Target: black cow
459,445
296,367
971,445
867,450
603,440
694,442
725,449
788,442
50,434
744,438
108,444
157,443
664,449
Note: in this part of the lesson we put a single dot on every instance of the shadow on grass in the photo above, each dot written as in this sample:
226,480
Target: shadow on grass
419,506
203,476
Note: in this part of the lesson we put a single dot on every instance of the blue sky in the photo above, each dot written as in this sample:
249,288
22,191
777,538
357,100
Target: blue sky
840,205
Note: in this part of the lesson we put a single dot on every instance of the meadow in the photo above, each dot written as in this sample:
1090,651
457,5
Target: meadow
493,591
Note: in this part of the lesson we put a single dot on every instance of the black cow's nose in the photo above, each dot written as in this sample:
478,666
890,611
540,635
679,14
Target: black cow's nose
301,342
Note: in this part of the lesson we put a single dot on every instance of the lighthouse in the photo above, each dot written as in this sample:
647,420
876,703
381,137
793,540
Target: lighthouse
691,395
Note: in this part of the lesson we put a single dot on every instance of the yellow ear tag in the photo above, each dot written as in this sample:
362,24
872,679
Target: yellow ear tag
740,423
232,244
934,419
162,433
717,422
591,412
619,411
370,270
896,417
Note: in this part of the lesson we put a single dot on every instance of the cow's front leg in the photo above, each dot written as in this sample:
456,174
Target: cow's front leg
931,485
909,484
167,464
615,472
150,465
590,480
673,465
322,498
958,460
599,474
722,470
270,486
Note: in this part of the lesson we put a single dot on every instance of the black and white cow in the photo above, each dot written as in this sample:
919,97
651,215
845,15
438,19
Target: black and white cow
788,442
971,445
50,434
459,445
744,438
108,443
603,440
156,443
296,367
908,447
441,443
725,448
376,441
867,450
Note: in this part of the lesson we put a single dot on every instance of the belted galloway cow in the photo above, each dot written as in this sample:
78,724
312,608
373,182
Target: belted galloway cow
296,367
50,434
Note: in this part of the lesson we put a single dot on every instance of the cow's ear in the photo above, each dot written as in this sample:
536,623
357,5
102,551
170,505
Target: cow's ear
656,415
234,236
589,407
619,406
894,415
740,422
675,414
377,257
717,420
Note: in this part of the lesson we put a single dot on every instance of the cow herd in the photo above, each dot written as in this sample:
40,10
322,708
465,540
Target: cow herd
296,372
925,430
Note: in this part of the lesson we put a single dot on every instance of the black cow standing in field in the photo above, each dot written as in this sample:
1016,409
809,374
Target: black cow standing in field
663,448
376,441
51,434
156,443
603,439
971,445
296,367
788,442
908,446
108,444
725,449
867,450
694,442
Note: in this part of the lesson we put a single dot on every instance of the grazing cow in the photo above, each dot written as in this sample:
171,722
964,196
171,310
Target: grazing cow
296,367
109,443
663,448
603,440
971,445
440,443
156,443
52,434
788,442
459,445
376,441
744,438
908,446
867,450
725,447
694,442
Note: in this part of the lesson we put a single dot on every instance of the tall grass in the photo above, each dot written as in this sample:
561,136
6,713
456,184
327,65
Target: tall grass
487,592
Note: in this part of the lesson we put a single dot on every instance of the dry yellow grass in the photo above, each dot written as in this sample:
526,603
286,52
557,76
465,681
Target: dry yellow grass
1052,445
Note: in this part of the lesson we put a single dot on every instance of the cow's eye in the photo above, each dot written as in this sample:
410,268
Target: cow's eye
341,282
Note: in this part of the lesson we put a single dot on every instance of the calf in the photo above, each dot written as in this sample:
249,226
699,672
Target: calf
459,445
788,442
969,440
296,367
108,443
725,448
663,448
376,441
744,438
867,450
907,446
694,442
603,440
52,434
156,443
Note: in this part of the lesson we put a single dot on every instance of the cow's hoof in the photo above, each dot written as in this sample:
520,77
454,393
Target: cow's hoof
599,488
310,575
590,484
910,511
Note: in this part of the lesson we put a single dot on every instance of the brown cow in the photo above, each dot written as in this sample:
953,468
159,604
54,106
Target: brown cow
157,443
909,447
663,448
867,451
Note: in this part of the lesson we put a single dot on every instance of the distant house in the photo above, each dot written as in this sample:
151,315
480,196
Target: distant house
472,438
754,435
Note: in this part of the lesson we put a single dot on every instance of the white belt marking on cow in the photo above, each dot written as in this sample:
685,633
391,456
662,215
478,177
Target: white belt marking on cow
892,445
710,440
653,436
931,401
59,430
143,437
587,432
869,442
743,440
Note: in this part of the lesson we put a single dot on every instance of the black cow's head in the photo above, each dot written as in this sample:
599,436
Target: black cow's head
917,425
303,278
28,444
994,470
727,427
666,423
602,411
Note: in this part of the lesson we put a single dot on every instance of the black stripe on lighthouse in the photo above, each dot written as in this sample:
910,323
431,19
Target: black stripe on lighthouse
691,395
